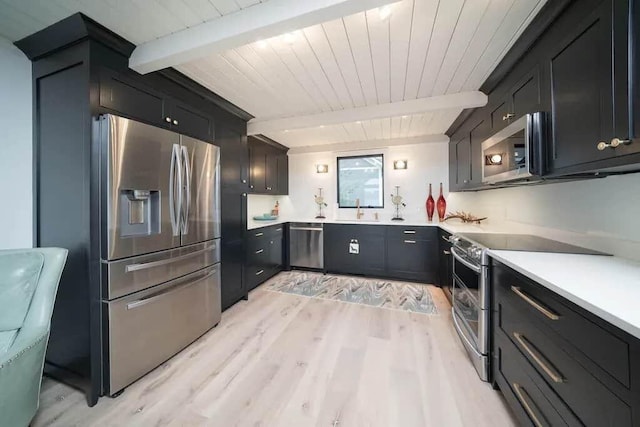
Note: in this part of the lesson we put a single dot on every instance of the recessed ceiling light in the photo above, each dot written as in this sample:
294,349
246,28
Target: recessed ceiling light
262,44
384,12
404,117
358,122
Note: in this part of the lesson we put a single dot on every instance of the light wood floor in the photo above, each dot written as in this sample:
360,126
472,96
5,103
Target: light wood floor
286,360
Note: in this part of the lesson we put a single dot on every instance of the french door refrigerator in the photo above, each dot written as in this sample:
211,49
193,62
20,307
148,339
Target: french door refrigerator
160,245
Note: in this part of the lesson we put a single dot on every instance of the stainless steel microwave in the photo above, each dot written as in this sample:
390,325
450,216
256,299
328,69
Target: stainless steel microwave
517,152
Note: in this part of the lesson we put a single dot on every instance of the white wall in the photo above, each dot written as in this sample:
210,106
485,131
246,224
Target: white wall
16,141
602,213
427,164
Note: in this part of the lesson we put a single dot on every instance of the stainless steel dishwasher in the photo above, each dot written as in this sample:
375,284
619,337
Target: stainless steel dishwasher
306,245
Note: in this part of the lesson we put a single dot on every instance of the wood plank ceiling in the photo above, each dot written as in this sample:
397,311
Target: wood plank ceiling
422,48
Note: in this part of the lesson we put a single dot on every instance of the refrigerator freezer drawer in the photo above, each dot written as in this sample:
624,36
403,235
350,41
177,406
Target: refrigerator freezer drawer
130,275
147,328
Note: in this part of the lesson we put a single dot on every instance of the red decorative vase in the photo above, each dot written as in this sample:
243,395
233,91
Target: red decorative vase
431,205
442,205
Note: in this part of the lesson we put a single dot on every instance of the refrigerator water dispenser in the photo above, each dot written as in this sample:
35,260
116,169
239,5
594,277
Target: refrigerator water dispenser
139,212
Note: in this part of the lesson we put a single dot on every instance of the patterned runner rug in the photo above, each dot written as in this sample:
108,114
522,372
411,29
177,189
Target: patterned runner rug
358,290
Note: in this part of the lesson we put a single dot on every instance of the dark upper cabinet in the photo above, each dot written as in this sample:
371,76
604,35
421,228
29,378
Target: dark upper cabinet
269,167
521,98
589,75
130,98
480,132
283,173
126,95
189,121
234,159
461,162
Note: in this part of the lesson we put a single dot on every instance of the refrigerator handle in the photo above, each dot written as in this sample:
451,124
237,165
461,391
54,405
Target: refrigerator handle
187,190
174,208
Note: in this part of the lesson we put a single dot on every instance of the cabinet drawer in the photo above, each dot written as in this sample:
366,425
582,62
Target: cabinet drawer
256,274
148,327
532,401
412,233
587,397
258,254
538,304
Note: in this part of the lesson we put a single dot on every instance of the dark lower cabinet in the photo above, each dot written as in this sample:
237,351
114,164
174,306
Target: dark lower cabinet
264,254
354,249
558,364
398,252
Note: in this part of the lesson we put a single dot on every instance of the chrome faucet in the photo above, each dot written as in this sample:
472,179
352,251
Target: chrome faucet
359,214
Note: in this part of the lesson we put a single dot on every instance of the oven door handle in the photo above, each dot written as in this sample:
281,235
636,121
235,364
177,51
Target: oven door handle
461,334
464,262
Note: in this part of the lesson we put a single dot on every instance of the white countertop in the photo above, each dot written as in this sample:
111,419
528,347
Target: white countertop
607,286
452,227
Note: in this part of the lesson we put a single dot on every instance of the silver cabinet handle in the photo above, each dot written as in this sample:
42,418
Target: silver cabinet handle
538,358
446,252
535,304
259,234
167,119
520,394
244,194
409,231
410,241
269,188
446,239
172,289
305,228
143,266
259,251
278,229
244,181
175,122
251,186
259,272
615,143
508,116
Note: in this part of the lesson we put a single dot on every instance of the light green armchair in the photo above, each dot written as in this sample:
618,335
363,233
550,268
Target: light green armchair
28,284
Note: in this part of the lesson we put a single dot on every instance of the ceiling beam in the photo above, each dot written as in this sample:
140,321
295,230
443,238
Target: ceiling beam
262,21
370,112
371,144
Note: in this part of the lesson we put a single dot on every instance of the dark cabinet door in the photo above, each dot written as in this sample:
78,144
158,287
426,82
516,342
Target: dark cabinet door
500,116
412,259
463,162
257,166
271,171
234,159
189,121
478,134
234,223
370,241
283,173
129,98
525,95
582,87
275,252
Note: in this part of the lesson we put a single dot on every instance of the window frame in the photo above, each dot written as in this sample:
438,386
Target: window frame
359,156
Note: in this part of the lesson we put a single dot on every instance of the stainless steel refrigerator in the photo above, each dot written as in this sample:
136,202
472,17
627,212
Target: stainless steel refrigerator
160,245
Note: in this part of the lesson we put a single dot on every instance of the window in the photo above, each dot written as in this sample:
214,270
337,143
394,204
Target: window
361,178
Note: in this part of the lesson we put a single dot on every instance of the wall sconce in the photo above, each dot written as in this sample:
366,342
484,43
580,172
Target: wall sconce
400,164
493,159
322,168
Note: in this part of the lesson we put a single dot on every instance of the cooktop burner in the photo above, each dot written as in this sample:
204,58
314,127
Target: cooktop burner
525,242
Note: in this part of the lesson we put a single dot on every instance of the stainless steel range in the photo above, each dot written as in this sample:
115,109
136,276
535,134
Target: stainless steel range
471,305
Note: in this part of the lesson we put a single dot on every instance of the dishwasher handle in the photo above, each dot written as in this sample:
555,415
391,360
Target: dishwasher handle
306,228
